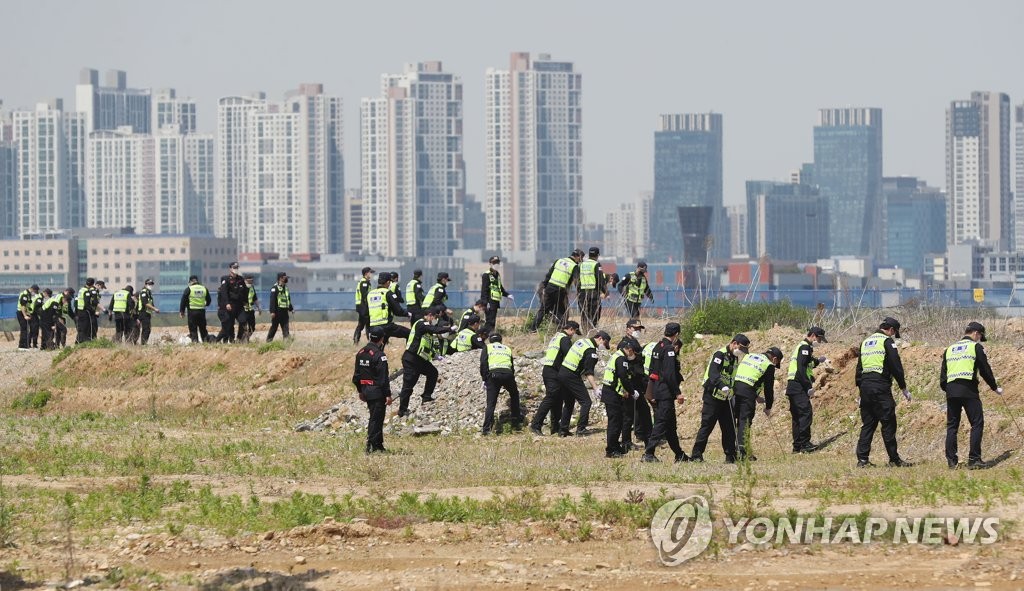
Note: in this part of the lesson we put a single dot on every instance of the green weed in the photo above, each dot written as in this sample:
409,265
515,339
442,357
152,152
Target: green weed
32,401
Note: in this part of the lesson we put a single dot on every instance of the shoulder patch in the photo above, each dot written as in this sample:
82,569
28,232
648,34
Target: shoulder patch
717,360
671,353
383,357
805,352
892,344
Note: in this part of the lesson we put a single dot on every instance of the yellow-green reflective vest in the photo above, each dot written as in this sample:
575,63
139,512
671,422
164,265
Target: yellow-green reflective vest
494,287
791,375
562,272
80,300
637,287
588,277
284,299
554,346
428,300
359,290
726,373
51,302
751,368
377,303
648,352
960,359
499,356
609,378
464,340
576,354
196,297
426,349
251,299
410,292
121,301
872,353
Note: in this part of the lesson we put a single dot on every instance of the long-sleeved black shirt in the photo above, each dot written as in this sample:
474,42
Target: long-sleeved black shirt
274,307
665,375
892,369
574,277
185,298
805,358
394,305
363,288
968,388
419,330
715,380
767,380
625,374
371,377
485,369
563,347
632,278
485,288
587,364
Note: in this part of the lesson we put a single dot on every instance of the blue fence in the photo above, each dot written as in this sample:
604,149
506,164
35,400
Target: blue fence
669,300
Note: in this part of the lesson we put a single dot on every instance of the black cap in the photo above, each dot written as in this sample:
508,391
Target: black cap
976,326
35,287
634,323
48,290
90,280
438,310
282,275
383,278
603,335
472,319
494,261
149,281
495,338
571,324
595,250
742,340
248,277
672,329
129,289
394,275
367,270
191,278
890,322
417,273
101,283
776,353
443,275
233,265
630,343
376,333
641,264
818,332
481,303
576,253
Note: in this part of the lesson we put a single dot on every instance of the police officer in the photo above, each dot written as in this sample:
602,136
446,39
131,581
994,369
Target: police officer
252,305
718,383
34,321
579,363
663,393
634,288
414,296
147,307
227,325
800,388
420,349
374,386
962,363
26,301
562,274
96,295
437,295
133,318
497,369
468,338
754,372
383,305
642,419
879,364
84,309
118,306
593,289
362,288
491,291
620,387
47,318
237,294
60,327
479,310
281,307
195,299
552,402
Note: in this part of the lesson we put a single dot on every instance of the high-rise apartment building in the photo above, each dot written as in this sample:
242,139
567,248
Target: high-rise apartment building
915,222
171,110
737,215
353,221
412,165
1018,218
534,156
233,144
687,173
787,221
627,229
848,169
980,202
113,104
49,148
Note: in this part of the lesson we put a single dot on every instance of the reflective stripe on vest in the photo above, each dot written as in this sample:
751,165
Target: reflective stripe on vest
791,375
561,273
751,368
464,340
637,287
576,354
588,275
872,353
80,300
428,300
196,297
121,301
377,302
284,299
726,373
495,287
359,291
249,300
609,378
648,352
960,359
51,302
499,356
426,349
554,346
410,292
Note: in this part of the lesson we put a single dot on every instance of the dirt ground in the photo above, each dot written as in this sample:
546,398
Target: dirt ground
216,385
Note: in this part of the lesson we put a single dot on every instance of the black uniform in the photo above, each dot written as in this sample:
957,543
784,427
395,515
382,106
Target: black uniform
491,313
34,323
394,309
552,402
237,298
47,318
279,313
574,391
60,327
362,310
590,299
715,410
83,315
196,317
374,386
494,381
633,308
877,404
413,366
620,407
24,318
227,325
414,307
963,395
800,409
94,319
641,416
665,379
555,299
745,403
145,315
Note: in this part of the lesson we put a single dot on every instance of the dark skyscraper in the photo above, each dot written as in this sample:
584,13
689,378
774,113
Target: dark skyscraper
848,170
915,222
787,221
687,172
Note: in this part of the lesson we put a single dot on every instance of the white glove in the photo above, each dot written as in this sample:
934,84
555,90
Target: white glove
725,388
906,395
999,390
511,297
483,386
636,395
822,359
810,392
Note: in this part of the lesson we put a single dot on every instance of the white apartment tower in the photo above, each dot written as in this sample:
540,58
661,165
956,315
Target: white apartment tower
49,148
169,109
627,229
534,154
1018,198
413,174
980,202
233,145
112,105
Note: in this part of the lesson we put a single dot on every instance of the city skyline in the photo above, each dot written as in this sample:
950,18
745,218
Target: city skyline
628,85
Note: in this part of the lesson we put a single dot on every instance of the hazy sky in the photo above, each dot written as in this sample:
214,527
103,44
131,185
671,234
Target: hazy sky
766,66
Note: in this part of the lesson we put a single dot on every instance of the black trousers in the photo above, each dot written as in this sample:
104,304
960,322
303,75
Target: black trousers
801,414
551,404
60,333
94,325
877,406
83,325
633,308
491,316
46,325
590,302
955,408
121,327
642,419
362,325
415,313
238,315
22,331
145,327
744,408
414,366
394,330
278,318
618,437
375,426
556,302
197,326
720,412
573,390
33,331
227,327
133,330
495,382
664,425
250,321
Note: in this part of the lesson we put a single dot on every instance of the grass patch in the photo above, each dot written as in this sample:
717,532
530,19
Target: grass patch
32,401
142,368
271,346
956,488
100,343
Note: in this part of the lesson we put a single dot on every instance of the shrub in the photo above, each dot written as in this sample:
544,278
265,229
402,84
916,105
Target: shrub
732,316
